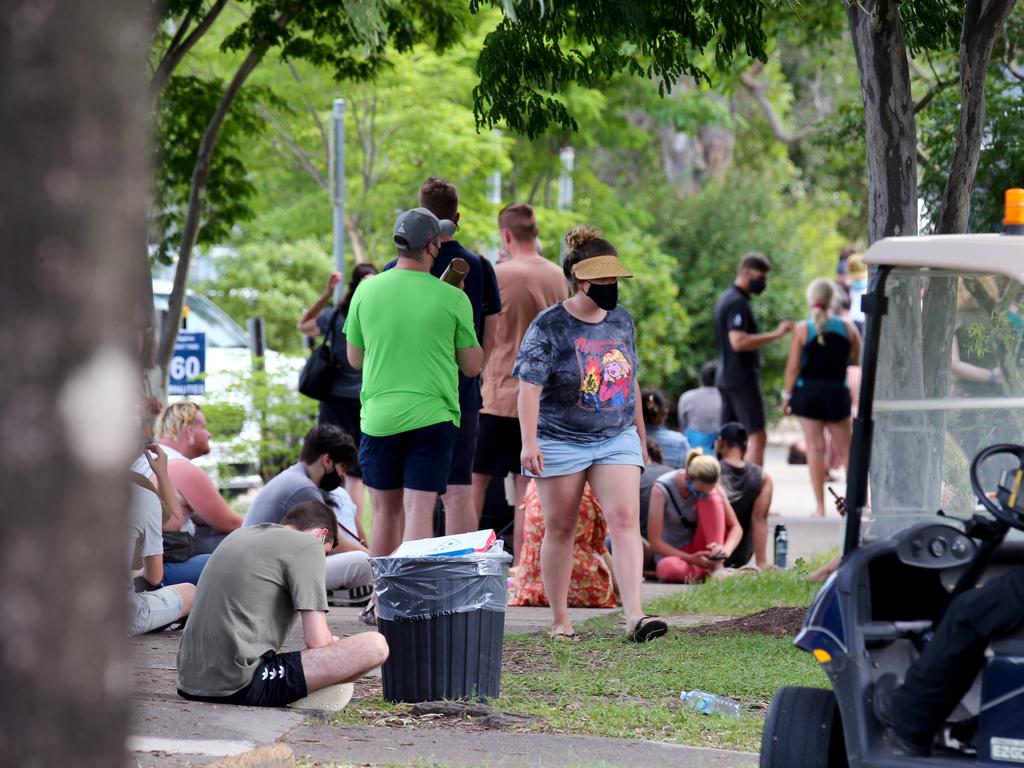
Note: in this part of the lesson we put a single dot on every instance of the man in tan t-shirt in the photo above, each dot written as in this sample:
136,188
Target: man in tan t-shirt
528,283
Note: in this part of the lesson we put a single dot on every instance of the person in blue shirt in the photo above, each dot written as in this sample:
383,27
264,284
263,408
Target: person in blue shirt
674,445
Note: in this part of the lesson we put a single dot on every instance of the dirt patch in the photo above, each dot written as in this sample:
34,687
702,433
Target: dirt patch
774,622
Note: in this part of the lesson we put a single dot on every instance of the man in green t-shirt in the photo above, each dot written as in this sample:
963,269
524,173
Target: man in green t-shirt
411,334
244,606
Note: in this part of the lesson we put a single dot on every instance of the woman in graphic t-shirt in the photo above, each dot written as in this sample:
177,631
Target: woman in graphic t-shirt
581,422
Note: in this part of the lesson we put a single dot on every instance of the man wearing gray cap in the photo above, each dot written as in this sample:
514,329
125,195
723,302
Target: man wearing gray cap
411,334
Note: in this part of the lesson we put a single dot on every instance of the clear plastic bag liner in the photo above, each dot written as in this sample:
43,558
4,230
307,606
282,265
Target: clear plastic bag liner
423,587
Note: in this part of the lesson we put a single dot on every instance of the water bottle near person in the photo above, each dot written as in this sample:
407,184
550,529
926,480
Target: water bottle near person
708,703
781,546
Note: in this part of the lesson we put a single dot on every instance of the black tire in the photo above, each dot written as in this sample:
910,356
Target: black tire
803,729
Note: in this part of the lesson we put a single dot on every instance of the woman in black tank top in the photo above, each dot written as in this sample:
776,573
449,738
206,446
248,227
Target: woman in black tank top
816,390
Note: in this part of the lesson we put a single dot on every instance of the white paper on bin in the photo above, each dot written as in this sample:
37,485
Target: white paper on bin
448,546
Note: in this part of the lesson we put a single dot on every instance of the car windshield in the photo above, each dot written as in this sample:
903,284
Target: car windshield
204,315
949,384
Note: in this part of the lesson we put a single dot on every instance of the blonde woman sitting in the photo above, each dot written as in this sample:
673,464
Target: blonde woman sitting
691,525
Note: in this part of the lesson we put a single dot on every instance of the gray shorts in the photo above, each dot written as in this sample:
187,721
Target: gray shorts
154,609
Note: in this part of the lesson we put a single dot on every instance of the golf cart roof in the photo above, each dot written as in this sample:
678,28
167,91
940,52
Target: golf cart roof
996,254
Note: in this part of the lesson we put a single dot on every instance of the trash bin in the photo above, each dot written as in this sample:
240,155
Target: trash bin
444,620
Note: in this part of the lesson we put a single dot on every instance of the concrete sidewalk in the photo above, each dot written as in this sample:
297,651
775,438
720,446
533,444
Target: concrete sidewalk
168,731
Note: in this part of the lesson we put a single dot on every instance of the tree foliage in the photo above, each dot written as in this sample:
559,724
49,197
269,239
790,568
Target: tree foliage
534,54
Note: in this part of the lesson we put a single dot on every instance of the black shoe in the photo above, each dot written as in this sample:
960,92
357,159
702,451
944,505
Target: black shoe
881,705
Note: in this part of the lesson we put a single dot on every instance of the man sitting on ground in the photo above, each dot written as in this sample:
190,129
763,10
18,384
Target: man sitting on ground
749,490
246,603
154,608
182,433
700,410
326,451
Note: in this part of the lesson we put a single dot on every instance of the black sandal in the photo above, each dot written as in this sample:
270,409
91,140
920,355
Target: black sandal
647,628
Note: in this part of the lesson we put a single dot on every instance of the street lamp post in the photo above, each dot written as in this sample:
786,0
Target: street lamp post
338,191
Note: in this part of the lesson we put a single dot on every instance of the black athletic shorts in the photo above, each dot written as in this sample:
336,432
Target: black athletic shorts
498,446
461,471
827,401
278,680
745,405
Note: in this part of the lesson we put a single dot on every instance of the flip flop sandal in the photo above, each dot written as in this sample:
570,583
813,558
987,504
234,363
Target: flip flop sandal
563,637
369,615
647,628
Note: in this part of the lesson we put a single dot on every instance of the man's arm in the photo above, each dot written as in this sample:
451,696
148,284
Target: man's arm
201,495
315,631
490,335
355,355
759,522
153,569
741,341
470,360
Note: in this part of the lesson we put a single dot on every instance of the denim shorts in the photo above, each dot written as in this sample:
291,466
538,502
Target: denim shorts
562,457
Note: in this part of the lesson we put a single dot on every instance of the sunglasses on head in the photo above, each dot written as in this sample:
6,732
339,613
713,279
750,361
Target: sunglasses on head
701,495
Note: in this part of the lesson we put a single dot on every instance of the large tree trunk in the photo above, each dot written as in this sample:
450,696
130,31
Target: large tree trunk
983,21
889,123
903,471
72,227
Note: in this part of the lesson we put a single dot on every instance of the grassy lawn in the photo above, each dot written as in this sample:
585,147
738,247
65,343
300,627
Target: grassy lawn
604,686
745,594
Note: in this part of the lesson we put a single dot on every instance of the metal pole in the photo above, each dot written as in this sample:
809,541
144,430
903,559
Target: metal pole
565,189
338,191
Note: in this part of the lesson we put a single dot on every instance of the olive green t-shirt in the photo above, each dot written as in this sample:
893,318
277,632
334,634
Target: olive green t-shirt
409,325
247,598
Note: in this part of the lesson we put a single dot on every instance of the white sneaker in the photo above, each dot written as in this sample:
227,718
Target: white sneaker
333,698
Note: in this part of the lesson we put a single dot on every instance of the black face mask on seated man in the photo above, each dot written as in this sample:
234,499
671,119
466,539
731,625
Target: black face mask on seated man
330,480
605,296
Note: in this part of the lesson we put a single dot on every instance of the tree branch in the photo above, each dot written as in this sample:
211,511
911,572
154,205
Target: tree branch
936,88
791,138
175,53
313,113
983,20
197,190
302,158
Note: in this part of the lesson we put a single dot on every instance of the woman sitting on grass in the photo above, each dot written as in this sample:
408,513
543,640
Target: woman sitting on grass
591,584
691,525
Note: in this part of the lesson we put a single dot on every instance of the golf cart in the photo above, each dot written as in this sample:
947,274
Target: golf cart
935,505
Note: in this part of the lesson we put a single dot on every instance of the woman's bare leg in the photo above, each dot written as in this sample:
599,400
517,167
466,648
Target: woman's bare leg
814,436
560,503
617,488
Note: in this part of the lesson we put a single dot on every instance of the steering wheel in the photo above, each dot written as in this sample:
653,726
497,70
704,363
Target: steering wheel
1011,517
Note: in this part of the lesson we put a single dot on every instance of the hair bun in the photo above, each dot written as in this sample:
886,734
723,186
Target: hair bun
580,235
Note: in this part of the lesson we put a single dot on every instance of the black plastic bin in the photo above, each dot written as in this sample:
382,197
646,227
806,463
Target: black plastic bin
444,620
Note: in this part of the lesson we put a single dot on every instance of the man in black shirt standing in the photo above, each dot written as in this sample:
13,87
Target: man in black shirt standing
739,356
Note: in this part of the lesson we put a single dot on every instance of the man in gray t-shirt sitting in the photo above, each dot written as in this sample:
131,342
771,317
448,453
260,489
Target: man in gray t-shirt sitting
250,591
326,451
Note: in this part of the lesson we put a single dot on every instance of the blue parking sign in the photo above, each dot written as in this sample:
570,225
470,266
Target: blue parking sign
188,366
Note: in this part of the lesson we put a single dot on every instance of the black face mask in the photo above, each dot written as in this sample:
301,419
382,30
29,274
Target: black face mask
330,481
757,286
605,296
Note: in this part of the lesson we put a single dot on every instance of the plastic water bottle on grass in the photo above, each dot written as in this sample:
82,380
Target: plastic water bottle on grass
708,703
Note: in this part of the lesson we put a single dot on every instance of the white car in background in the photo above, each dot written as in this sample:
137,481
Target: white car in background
234,459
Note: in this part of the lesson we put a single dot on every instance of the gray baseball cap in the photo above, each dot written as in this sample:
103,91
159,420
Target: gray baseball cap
417,227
